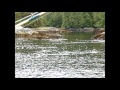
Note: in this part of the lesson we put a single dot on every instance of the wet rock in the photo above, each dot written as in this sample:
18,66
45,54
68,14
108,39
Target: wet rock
99,30
54,35
39,34
99,34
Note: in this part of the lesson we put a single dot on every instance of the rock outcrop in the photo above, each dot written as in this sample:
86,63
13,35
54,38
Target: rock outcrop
38,33
99,34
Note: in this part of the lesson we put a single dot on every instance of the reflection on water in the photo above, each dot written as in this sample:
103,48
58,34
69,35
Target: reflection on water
70,57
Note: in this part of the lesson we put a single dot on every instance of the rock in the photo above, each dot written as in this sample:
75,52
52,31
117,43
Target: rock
39,34
99,33
81,29
99,36
55,35
99,30
64,31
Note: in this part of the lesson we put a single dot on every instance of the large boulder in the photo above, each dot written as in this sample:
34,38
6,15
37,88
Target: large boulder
99,36
99,33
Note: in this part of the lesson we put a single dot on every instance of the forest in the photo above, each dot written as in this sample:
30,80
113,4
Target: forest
67,19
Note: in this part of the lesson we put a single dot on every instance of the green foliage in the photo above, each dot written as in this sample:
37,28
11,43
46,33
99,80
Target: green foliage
99,19
68,19
87,20
55,19
19,15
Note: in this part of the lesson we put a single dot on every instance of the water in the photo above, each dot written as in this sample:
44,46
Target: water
74,56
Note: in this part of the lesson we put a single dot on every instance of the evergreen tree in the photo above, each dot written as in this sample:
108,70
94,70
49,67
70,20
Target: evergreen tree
87,20
67,19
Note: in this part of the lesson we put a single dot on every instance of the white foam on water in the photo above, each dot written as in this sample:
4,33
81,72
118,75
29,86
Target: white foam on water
88,41
70,73
89,51
50,61
55,40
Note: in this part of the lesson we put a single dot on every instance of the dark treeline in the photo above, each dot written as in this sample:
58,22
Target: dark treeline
68,19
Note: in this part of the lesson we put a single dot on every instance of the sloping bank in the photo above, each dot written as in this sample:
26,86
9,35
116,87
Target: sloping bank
39,33
52,32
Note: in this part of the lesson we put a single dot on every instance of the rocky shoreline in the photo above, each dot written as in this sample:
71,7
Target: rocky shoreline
99,34
52,32
39,33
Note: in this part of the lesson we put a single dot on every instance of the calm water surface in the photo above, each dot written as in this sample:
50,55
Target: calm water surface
74,56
